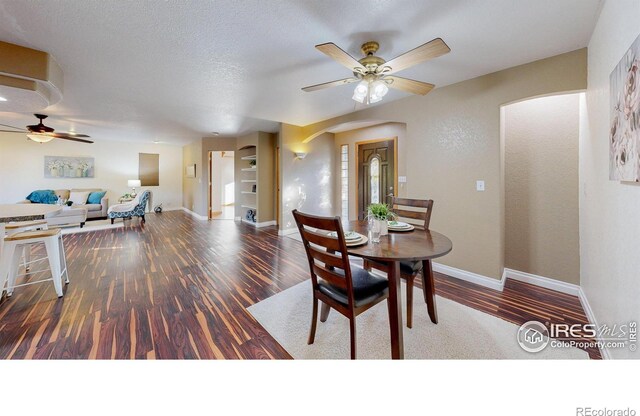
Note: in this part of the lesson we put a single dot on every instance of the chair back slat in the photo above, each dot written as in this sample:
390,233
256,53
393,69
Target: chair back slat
329,259
418,203
325,253
413,211
322,240
331,277
416,215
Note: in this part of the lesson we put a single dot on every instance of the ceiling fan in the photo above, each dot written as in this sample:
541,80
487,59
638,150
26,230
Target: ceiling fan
374,73
42,134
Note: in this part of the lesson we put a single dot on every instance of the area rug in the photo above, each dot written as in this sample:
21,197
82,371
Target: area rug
461,332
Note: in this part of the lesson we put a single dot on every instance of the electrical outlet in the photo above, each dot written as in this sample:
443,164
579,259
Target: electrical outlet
480,186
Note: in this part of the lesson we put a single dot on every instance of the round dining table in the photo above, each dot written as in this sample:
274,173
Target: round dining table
397,246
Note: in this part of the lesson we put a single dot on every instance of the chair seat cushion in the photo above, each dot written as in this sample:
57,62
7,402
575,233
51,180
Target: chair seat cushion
410,267
367,287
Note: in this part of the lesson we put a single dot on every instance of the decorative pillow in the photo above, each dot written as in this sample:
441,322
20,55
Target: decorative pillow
78,198
45,196
95,197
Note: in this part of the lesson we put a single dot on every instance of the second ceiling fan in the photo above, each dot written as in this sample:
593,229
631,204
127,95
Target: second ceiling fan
375,74
43,134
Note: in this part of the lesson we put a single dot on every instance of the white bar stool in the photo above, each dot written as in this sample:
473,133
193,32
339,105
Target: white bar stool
52,240
18,227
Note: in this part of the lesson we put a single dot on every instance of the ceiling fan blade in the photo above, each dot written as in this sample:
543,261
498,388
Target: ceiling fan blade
74,134
330,84
75,138
19,130
409,85
340,56
422,53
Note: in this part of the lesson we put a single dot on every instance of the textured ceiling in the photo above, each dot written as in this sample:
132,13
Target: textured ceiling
176,71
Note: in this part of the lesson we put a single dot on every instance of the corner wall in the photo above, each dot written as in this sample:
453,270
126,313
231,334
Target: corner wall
195,196
305,184
609,210
541,187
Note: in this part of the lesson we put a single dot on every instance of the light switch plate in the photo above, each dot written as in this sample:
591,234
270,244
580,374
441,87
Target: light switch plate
402,179
480,186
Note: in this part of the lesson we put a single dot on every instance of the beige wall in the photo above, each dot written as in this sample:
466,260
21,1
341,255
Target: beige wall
22,168
609,210
351,137
541,187
192,194
453,139
196,190
306,184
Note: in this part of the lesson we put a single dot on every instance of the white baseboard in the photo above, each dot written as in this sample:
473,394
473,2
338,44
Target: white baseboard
198,216
606,354
287,231
469,276
558,286
260,224
172,209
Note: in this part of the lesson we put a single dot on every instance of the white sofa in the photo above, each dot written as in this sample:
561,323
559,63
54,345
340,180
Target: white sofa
93,210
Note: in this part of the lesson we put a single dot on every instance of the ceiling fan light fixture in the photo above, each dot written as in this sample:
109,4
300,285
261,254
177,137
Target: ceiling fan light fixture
380,88
40,138
361,91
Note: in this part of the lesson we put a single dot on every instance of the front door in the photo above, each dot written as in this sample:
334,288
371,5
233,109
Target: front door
376,174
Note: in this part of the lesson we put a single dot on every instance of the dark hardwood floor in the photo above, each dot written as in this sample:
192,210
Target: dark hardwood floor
179,288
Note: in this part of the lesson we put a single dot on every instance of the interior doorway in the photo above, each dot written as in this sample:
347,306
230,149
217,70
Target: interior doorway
222,192
376,163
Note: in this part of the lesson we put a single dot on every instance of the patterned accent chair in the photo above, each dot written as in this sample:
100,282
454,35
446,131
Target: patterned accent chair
134,208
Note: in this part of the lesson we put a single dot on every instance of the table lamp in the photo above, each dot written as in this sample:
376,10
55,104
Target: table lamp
133,183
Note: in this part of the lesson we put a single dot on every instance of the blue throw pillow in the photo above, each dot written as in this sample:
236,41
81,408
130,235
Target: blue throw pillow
95,197
45,196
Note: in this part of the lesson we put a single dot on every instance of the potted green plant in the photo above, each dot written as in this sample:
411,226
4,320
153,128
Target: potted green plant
380,213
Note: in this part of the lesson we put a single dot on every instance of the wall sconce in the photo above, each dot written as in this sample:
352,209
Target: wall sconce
300,155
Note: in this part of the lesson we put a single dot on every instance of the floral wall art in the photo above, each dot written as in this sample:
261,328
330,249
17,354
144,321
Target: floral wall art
624,137
68,167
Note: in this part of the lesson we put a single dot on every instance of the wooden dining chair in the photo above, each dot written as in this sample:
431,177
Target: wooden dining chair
416,212
335,283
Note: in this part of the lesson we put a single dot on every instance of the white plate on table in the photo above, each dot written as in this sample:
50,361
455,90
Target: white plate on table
360,241
348,235
351,238
399,226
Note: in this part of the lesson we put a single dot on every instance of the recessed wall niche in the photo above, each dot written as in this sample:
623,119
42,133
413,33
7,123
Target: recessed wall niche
149,169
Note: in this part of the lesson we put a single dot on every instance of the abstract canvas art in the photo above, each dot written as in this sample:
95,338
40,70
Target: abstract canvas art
624,136
68,167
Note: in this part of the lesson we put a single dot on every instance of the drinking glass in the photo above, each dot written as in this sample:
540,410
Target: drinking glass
374,228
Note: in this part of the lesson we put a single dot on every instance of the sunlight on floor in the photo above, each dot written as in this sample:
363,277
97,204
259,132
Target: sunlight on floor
228,212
